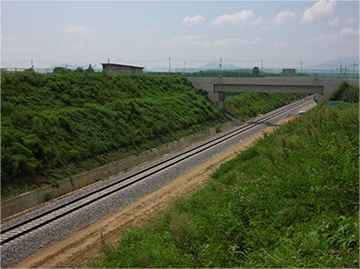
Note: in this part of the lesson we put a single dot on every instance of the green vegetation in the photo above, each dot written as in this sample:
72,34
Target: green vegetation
55,125
58,125
247,105
289,201
345,93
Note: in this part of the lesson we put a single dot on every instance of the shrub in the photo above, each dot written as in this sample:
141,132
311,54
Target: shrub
345,93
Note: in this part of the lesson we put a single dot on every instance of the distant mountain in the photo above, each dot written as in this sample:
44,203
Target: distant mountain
215,65
209,66
159,69
68,66
74,67
335,64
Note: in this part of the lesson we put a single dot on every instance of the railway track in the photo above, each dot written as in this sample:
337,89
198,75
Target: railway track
15,230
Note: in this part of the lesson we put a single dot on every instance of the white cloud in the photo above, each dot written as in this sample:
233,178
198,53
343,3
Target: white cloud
78,30
3,37
280,44
258,21
65,46
239,18
334,22
191,21
73,29
349,33
321,12
189,40
351,20
284,16
153,28
144,44
343,38
150,30
98,47
28,49
7,49
241,41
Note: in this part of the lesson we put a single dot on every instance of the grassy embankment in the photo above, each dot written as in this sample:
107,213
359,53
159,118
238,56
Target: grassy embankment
289,201
58,125
246,105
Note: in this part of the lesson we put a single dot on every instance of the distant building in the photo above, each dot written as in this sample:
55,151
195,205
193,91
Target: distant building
122,68
288,71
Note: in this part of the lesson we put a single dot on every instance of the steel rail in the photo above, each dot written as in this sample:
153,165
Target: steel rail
17,230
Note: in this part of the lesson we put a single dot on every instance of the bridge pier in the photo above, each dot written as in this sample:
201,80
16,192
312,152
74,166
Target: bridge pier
221,99
217,98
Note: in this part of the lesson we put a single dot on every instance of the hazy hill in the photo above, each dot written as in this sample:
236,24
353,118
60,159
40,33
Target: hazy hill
216,65
335,64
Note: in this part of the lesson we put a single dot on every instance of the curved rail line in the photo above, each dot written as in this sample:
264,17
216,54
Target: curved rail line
17,230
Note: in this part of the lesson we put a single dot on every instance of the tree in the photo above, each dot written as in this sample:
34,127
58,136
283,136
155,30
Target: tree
60,70
256,70
90,69
79,70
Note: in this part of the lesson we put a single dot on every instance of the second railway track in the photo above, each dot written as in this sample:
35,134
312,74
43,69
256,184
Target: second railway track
23,230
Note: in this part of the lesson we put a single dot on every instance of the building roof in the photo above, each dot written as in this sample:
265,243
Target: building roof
126,65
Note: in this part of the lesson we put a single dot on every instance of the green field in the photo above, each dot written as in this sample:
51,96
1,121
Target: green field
292,200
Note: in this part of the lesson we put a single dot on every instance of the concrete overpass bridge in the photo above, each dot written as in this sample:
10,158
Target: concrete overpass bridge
217,87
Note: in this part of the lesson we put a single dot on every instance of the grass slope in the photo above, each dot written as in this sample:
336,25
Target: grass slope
247,105
289,201
59,124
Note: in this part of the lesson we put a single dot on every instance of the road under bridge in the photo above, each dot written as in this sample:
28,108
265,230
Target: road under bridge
217,87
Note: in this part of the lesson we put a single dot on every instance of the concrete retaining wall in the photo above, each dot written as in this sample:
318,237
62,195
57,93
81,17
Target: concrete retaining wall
30,199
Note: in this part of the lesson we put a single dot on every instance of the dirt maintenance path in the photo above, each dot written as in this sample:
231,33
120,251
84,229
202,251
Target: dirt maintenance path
78,248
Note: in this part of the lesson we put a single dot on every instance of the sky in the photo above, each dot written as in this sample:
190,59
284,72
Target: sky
182,34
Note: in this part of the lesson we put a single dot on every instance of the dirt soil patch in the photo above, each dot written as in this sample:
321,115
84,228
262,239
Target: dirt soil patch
76,249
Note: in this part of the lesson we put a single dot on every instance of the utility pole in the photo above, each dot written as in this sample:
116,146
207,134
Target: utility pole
32,64
353,65
340,69
301,63
169,65
185,67
220,65
262,65
108,60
